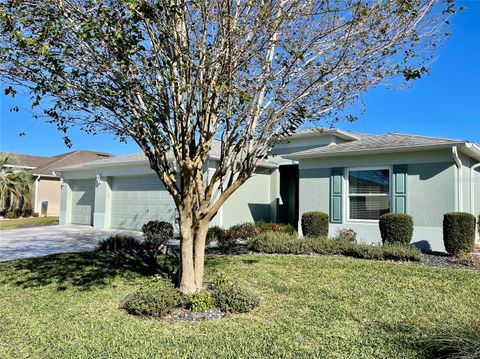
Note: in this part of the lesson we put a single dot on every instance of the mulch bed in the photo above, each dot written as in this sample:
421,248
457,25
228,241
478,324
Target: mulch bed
443,260
181,314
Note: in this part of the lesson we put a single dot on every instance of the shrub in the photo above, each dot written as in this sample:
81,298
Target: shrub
396,228
119,243
156,298
315,224
215,233
272,242
458,232
244,231
468,259
198,301
285,244
27,212
231,298
460,342
11,215
35,214
262,227
156,234
348,235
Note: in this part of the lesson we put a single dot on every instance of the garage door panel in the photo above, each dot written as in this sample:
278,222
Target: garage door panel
83,201
137,200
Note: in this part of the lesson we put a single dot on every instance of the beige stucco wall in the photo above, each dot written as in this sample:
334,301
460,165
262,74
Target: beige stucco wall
48,189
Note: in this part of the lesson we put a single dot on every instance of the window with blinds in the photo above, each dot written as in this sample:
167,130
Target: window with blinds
368,194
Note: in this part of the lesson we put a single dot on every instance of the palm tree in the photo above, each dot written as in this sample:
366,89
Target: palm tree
15,186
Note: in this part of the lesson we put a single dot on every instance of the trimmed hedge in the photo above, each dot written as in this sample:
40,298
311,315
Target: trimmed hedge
156,298
315,224
285,244
396,228
459,232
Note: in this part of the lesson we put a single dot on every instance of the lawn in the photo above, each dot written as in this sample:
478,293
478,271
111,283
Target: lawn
66,306
27,222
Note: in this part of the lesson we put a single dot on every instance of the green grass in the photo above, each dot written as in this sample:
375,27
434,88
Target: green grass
27,222
66,306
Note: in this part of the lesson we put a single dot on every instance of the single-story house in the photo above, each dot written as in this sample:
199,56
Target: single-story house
352,176
46,182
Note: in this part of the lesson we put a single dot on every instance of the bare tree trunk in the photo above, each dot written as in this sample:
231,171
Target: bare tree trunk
199,245
187,271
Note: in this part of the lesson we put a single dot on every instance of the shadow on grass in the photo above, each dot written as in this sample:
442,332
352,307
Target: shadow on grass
80,270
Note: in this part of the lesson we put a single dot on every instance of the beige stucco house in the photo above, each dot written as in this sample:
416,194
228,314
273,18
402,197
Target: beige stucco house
46,182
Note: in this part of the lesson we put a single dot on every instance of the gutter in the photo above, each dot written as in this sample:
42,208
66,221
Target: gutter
340,153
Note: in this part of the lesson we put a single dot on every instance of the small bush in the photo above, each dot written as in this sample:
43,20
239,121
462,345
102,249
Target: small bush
27,212
157,234
286,244
315,224
11,215
244,231
396,228
215,234
468,259
348,235
35,214
459,232
231,298
263,227
119,244
198,301
460,342
156,298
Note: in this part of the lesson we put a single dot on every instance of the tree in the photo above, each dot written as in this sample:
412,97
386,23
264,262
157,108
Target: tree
176,75
15,186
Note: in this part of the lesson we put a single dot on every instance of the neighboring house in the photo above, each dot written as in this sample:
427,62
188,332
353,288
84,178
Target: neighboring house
354,177
46,182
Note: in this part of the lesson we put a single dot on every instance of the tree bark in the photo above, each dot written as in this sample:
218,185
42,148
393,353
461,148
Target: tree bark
199,246
187,270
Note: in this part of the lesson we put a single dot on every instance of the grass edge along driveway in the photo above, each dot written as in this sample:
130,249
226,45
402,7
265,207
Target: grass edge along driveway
8,224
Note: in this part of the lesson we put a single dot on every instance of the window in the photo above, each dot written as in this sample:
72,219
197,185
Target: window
368,194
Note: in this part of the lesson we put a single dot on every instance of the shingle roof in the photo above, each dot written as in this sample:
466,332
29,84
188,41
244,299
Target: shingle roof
42,165
19,159
70,158
367,143
140,157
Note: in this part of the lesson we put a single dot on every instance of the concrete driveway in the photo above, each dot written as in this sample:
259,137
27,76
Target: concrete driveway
41,241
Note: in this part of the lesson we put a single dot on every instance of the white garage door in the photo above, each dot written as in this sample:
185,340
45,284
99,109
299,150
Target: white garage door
137,200
83,201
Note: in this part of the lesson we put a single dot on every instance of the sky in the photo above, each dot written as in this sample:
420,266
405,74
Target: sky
445,104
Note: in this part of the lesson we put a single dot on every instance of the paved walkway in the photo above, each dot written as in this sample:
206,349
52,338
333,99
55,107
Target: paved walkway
41,241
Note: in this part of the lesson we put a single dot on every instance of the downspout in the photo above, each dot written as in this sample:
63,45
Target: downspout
36,194
458,180
472,200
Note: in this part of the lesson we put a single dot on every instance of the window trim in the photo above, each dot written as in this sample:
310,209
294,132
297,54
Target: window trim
347,192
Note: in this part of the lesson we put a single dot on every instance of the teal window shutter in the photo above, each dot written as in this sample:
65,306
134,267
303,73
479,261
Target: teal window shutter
399,187
336,195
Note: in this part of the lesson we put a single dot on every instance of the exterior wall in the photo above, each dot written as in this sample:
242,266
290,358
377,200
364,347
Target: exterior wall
256,199
48,189
430,192
253,201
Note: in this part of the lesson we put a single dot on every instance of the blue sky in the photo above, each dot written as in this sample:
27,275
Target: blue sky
444,104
